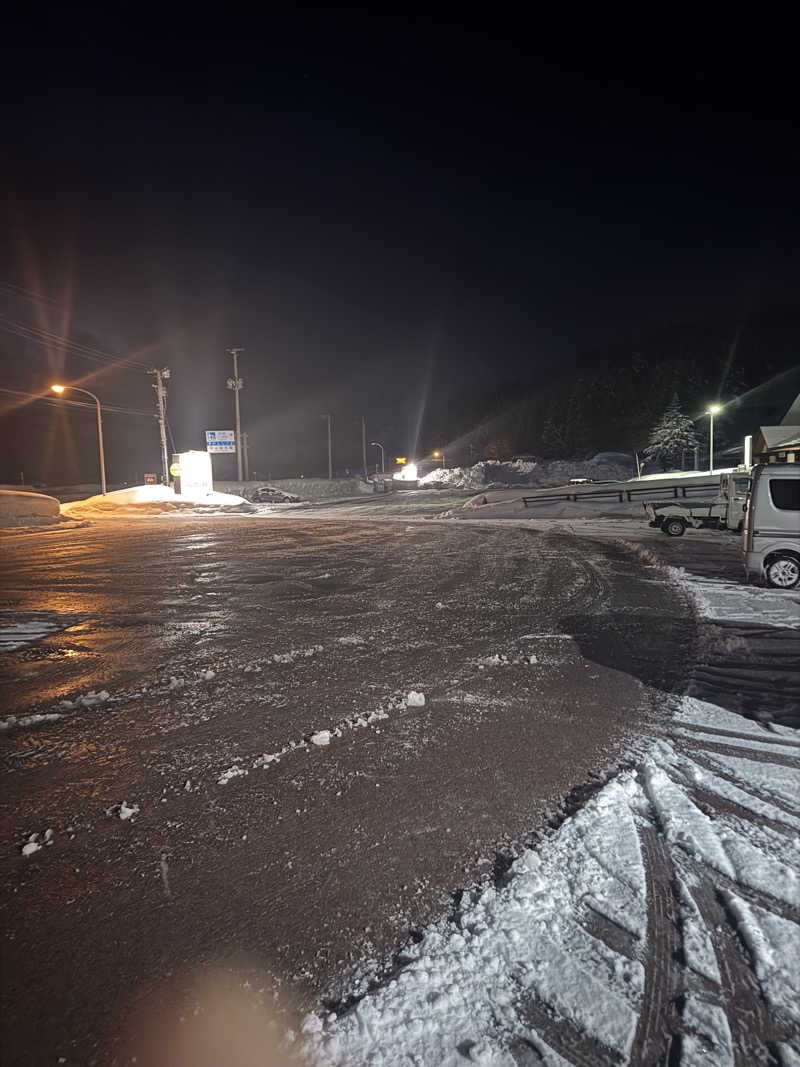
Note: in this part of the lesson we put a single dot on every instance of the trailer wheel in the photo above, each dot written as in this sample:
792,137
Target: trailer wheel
783,571
673,527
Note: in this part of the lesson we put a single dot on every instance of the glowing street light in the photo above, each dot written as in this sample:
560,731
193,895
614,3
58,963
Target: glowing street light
711,411
76,389
439,455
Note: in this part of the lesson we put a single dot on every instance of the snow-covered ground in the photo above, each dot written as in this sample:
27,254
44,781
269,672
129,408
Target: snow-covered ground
140,500
578,951
727,601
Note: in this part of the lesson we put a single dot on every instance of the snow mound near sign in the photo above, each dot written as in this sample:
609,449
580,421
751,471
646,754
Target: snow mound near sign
543,473
151,500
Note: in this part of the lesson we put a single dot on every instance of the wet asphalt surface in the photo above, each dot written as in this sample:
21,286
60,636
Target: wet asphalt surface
540,657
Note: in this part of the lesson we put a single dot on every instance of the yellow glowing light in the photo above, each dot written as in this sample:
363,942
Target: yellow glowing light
437,453
400,459
57,388
714,409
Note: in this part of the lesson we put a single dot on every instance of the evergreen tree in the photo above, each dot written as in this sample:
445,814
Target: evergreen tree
553,443
673,435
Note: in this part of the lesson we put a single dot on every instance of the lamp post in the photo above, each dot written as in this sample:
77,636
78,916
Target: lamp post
76,389
711,411
439,455
377,444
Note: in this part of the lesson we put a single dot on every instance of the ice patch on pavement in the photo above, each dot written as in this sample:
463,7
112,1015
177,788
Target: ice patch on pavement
18,629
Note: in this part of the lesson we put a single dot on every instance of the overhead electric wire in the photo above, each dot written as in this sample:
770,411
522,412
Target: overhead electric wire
30,294
111,408
47,338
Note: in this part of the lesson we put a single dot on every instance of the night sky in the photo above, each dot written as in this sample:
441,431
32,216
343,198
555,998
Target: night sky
382,211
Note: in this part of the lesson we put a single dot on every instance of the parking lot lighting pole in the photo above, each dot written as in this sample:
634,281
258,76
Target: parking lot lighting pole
712,410
76,389
377,444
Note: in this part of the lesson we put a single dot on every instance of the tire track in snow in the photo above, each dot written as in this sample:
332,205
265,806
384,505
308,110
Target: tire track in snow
658,1018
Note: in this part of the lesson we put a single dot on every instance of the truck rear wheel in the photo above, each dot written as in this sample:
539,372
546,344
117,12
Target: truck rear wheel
783,571
673,527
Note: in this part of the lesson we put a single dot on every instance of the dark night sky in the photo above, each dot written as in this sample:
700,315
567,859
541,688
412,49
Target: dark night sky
368,204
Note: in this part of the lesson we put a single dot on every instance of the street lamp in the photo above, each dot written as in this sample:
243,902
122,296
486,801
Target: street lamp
711,411
377,444
439,455
77,389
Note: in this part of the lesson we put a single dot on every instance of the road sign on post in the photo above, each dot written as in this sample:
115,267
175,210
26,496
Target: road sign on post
220,440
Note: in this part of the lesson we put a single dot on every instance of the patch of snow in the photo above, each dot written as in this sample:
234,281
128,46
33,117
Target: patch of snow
726,601
232,772
706,1039
772,779
322,737
295,654
700,713
415,699
774,947
714,842
33,844
12,721
352,639
127,811
698,947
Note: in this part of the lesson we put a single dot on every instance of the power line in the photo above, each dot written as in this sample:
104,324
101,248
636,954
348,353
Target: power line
112,408
46,338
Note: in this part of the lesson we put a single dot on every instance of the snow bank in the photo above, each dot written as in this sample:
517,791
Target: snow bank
149,500
541,473
27,509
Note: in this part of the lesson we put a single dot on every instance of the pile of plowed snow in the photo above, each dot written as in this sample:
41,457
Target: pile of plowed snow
543,473
19,508
151,500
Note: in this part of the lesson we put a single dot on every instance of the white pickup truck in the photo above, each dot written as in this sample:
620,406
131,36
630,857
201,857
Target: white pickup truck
724,512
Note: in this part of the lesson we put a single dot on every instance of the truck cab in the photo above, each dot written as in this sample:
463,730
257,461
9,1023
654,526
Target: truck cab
771,538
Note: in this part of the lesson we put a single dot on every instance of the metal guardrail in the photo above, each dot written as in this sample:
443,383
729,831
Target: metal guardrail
671,492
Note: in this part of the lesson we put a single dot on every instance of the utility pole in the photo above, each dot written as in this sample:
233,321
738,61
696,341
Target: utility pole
330,447
161,376
246,456
236,384
364,445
